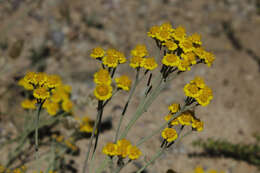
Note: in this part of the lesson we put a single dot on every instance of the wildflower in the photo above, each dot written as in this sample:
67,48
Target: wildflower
25,84
166,27
153,31
163,35
205,96
103,92
123,82
67,88
186,45
198,169
110,149
70,145
136,61
41,93
102,77
191,90
29,104
173,122
121,57
149,63
185,118
171,60
170,45
40,78
67,105
85,125
175,107
195,38
140,51
199,51
110,60
122,146
97,52
197,124
52,108
184,65
199,82
30,77
57,96
179,33
190,57
53,81
133,152
169,134
209,58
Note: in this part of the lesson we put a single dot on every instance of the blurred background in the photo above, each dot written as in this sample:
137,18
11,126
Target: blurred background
56,36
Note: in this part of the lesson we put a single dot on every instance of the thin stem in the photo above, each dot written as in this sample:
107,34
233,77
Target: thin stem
100,107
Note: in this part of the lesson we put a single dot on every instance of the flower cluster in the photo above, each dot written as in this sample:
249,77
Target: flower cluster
181,51
199,91
139,58
47,90
22,169
65,142
122,148
199,169
86,125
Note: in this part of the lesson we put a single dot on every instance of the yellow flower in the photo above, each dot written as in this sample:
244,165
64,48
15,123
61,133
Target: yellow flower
175,107
153,31
133,152
30,77
25,84
102,77
136,61
191,90
179,33
121,57
57,96
139,51
205,96
85,125
185,118
40,78
149,63
163,35
110,61
97,52
53,81
197,124
122,146
52,108
110,149
184,65
123,82
67,105
209,58
41,93
29,104
199,82
199,51
198,169
103,92
70,145
170,45
67,88
190,57
171,60
166,26
169,134
195,38
173,122
186,45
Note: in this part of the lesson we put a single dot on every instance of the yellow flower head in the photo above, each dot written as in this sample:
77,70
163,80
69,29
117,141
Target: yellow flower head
102,77
170,45
41,93
25,84
57,96
40,78
191,90
29,104
199,51
52,108
149,63
97,52
190,57
185,118
179,33
184,65
175,107
195,38
173,122
103,92
110,149
205,96
136,61
166,26
133,152
169,134
171,60
30,77
139,50
67,105
198,169
197,124
186,45
199,82
163,35
53,81
123,82
110,60
153,31
209,58
121,57
85,125
122,146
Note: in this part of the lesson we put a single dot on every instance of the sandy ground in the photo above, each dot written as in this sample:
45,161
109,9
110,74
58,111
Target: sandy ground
69,29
